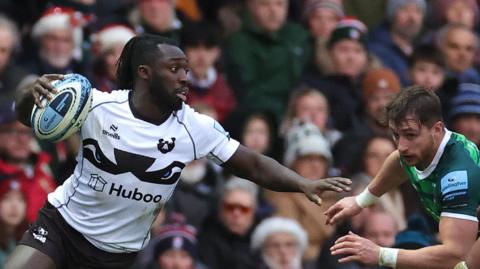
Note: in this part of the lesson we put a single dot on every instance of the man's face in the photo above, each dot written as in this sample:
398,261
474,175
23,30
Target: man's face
158,14
427,74
349,58
459,12
237,211
6,47
376,153
381,229
175,259
312,108
311,166
15,142
269,15
321,22
282,249
168,83
459,49
408,21
56,47
468,125
376,103
415,142
201,59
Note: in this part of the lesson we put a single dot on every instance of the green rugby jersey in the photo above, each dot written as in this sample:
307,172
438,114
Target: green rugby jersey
450,185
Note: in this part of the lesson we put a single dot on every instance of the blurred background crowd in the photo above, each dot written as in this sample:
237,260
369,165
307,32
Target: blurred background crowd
302,81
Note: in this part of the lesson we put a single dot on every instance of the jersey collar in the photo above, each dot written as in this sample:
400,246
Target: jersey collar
425,173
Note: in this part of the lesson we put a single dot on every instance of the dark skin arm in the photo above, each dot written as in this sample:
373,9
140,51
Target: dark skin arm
31,94
268,173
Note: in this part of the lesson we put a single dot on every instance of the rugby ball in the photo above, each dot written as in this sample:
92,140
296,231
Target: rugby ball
64,114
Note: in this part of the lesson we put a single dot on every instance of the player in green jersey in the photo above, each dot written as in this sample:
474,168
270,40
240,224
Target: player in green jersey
442,166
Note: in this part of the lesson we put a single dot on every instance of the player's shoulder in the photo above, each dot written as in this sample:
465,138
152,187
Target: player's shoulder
188,115
117,96
461,151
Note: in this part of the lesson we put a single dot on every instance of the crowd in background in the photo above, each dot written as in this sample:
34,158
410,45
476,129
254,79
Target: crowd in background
302,81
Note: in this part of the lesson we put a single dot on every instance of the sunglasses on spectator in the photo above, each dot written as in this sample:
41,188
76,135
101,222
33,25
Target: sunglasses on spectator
231,207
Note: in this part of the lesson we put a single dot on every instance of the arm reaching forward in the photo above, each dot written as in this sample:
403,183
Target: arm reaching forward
457,236
268,173
390,176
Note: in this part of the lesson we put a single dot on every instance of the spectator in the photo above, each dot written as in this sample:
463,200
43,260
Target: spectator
18,160
379,86
207,84
381,228
463,12
465,112
280,243
393,40
11,75
266,58
321,17
347,49
458,44
308,154
259,133
310,105
376,150
416,235
174,246
196,192
58,35
426,67
107,46
157,17
224,241
13,222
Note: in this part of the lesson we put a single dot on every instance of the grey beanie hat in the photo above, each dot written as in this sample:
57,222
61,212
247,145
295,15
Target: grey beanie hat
394,5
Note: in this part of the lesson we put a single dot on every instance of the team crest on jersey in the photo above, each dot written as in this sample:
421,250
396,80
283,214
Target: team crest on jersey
165,146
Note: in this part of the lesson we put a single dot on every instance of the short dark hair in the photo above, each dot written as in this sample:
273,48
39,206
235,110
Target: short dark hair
200,34
426,53
141,49
418,101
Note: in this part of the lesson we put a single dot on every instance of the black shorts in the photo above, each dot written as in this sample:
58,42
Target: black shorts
67,247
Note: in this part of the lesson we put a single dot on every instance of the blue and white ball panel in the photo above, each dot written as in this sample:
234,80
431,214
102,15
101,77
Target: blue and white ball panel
64,114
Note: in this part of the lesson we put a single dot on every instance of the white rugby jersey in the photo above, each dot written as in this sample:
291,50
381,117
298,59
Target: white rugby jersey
128,169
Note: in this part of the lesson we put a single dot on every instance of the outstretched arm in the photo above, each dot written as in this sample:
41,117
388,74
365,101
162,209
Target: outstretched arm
390,176
31,95
268,173
457,236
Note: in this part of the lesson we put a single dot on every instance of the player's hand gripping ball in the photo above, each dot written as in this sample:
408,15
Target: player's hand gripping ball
64,113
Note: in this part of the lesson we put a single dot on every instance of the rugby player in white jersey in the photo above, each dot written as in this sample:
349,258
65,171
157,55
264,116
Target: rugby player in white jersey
135,143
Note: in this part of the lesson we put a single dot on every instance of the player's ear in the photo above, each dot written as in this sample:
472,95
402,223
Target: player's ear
438,127
144,72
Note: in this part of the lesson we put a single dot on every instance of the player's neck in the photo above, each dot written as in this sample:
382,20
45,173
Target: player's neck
144,105
436,145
